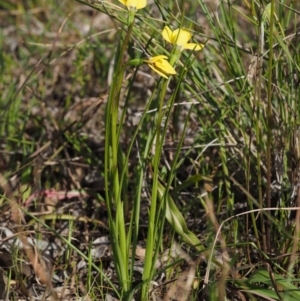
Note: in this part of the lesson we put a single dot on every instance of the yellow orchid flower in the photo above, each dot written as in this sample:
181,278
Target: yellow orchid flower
160,65
180,38
134,4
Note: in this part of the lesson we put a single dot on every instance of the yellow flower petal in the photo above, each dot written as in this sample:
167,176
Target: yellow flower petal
167,34
160,65
180,38
137,4
158,71
193,46
165,65
157,58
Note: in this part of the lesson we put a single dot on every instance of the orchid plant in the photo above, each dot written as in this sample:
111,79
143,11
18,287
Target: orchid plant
124,241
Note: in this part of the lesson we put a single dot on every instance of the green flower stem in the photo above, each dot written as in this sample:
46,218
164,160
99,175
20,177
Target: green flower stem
131,15
151,247
111,165
175,56
156,216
